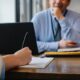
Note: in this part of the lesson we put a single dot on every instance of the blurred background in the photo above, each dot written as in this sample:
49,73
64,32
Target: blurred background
24,10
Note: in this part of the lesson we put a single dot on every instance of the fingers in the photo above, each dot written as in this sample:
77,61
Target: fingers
28,54
63,44
71,43
26,48
24,56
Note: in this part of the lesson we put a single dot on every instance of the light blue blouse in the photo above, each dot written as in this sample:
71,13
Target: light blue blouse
70,29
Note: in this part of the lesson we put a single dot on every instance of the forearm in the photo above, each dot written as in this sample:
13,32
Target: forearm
47,46
10,61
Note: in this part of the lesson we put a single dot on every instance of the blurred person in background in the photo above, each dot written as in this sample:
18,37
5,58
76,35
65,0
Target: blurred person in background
57,27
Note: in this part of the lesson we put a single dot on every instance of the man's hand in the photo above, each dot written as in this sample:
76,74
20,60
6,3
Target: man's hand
68,43
58,13
23,56
19,58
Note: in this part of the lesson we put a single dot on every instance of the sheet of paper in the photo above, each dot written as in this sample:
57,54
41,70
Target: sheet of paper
69,49
38,62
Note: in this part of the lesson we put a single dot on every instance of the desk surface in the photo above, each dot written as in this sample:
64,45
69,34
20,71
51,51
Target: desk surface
58,69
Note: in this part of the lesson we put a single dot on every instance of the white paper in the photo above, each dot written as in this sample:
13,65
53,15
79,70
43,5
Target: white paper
38,62
69,49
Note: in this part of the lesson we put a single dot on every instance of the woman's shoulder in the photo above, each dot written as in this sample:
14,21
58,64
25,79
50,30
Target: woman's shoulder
42,13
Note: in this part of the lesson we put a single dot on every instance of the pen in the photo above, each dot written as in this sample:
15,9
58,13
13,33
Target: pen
24,39
42,56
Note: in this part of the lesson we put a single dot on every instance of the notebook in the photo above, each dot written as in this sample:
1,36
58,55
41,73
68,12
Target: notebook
38,62
14,36
62,54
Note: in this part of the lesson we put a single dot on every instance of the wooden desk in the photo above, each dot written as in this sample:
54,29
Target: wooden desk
58,69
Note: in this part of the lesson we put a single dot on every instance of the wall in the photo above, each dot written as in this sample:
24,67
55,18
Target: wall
7,11
75,5
39,5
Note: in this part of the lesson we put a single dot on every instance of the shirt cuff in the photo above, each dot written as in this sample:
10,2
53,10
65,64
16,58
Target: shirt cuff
47,46
53,46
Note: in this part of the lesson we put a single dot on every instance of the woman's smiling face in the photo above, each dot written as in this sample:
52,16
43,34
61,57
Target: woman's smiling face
62,4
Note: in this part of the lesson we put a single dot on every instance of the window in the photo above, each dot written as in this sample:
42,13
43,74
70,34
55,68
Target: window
24,10
7,11
28,8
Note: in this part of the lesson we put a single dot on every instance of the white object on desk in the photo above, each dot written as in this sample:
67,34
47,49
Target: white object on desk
69,49
38,62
